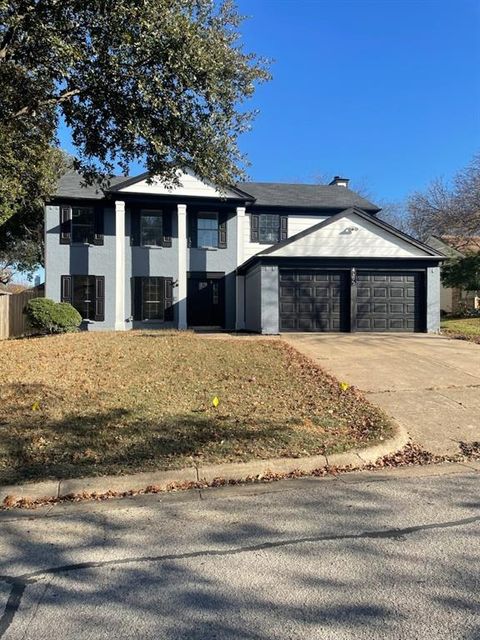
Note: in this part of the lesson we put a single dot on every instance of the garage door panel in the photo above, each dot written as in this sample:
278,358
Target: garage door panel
392,307
287,307
287,323
323,306
380,308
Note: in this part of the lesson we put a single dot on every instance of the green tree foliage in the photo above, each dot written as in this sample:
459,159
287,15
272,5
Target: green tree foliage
22,235
160,81
463,273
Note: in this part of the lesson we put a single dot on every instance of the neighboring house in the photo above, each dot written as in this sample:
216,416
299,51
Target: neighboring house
260,257
455,300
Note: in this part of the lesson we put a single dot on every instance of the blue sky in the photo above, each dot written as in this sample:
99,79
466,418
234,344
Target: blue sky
385,92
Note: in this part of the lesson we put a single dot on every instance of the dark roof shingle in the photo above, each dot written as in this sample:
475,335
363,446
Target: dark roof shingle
273,194
70,186
318,196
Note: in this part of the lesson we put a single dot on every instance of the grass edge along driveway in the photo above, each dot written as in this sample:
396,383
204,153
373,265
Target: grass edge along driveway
462,328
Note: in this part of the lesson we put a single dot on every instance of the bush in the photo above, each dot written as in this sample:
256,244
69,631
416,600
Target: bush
48,316
66,317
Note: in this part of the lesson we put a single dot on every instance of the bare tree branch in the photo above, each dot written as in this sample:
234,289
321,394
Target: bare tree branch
63,97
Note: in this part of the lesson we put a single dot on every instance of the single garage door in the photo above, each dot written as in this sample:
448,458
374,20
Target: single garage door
389,301
314,300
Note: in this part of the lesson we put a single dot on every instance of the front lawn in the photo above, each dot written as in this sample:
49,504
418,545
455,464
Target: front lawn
463,328
104,403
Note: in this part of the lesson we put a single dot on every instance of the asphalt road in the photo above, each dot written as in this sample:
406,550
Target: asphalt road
391,555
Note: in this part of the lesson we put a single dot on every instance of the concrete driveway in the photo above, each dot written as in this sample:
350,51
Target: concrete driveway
428,383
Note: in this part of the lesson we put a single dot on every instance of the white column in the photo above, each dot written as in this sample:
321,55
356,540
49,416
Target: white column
182,266
120,265
240,283
240,235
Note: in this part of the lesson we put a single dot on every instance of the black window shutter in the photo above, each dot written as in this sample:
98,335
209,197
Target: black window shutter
222,230
192,229
99,217
253,227
137,294
283,227
65,224
66,286
167,229
168,299
99,298
135,227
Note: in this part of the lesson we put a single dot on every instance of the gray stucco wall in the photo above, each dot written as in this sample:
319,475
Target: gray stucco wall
433,299
253,300
149,261
261,300
64,259
220,260
270,309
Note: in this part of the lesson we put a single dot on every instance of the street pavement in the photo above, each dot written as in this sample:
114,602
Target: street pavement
391,554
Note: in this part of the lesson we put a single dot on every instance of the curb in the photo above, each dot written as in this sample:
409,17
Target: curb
355,459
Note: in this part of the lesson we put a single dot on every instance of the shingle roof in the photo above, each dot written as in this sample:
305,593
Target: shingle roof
274,194
70,186
462,244
305,195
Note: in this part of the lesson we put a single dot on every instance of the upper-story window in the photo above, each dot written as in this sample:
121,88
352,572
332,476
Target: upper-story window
207,230
83,225
268,228
151,228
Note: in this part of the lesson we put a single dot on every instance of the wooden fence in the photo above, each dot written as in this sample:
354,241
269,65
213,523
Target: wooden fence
12,321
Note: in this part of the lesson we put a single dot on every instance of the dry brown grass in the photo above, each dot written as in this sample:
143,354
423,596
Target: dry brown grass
462,328
102,403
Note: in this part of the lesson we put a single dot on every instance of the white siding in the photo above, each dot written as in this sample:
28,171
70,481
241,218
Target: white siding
351,236
190,185
296,223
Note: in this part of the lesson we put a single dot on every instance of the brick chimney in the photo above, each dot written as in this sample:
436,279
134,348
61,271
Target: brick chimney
340,182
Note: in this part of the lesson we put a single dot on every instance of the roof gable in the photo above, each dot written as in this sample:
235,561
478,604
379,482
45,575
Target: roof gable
190,186
351,233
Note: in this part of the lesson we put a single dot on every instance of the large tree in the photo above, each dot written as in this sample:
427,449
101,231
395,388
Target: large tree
22,234
160,81
463,273
450,209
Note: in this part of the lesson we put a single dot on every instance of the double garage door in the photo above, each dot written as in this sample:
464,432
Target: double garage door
316,300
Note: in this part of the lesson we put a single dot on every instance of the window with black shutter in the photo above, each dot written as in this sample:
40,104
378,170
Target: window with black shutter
151,228
86,294
83,225
268,228
152,299
65,224
207,230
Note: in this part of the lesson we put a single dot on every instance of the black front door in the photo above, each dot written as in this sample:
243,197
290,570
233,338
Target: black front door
206,300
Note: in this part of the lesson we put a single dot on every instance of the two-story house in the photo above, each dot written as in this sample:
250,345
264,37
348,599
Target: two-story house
260,257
